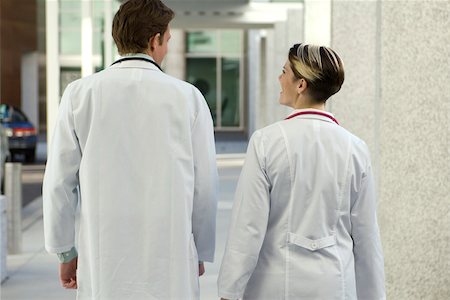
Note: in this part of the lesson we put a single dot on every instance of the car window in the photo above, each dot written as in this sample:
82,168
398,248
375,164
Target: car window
9,114
17,116
4,113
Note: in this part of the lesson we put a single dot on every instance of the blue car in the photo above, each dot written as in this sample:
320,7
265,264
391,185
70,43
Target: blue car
21,133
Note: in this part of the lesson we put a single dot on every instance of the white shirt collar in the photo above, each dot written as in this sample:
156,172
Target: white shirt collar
143,55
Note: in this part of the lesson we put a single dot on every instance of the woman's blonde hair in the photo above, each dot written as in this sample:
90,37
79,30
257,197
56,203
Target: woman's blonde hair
320,66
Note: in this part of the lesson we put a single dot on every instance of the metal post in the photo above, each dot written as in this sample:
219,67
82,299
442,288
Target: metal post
13,193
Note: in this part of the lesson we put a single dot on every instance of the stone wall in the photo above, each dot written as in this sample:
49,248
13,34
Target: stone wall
397,98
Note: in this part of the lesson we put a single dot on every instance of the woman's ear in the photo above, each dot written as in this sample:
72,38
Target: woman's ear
302,85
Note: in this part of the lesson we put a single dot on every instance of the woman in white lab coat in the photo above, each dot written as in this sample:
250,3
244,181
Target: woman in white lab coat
304,222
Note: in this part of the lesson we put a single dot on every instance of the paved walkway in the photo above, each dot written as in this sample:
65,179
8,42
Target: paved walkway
33,275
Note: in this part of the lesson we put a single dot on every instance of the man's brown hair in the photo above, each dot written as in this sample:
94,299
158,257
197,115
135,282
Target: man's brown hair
137,21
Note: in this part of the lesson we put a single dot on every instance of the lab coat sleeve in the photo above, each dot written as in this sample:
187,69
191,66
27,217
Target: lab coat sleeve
60,186
248,223
206,181
369,265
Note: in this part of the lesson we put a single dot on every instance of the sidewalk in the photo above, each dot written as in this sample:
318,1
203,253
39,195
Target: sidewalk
33,275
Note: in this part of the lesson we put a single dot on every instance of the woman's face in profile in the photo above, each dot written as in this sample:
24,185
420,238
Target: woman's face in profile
288,83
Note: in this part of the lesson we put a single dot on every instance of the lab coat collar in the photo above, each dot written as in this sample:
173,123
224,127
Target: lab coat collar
313,116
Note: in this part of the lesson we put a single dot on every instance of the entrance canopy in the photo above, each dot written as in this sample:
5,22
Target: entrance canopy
241,14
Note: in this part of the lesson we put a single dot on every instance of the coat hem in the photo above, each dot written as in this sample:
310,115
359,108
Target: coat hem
231,296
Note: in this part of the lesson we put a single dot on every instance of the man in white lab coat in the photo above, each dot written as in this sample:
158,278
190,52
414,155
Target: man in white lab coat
304,223
135,148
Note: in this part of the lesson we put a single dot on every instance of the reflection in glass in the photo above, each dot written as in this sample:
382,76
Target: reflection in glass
213,64
230,92
201,72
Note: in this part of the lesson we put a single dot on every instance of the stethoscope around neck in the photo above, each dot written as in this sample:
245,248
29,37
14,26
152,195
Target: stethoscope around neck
137,58
310,112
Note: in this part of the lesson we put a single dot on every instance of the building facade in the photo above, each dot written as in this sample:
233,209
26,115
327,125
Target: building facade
395,96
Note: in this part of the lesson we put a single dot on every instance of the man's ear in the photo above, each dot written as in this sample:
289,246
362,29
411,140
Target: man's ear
154,41
302,85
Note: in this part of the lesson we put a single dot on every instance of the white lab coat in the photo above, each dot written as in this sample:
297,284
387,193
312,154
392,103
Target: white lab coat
140,145
304,222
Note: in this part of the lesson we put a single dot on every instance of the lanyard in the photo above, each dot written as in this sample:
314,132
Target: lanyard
137,58
309,112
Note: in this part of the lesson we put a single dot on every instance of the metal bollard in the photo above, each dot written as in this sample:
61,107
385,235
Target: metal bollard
13,193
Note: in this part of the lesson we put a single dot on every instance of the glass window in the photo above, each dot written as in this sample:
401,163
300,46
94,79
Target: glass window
98,26
202,42
214,66
230,42
230,91
202,72
70,27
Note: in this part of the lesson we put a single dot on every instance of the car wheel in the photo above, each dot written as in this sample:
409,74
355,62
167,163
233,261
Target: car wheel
30,155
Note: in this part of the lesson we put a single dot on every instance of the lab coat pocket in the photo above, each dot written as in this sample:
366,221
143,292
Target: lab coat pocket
312,245
314,267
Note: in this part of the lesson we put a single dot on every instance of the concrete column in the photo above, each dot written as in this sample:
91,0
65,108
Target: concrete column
261,101
107,37
277,44
395,97
414,148
254,74
30,87
52,62
318,21
175,62
274,48
87,31
355,37
276,57
295,31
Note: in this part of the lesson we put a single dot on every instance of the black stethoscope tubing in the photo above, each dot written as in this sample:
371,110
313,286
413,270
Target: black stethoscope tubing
137,58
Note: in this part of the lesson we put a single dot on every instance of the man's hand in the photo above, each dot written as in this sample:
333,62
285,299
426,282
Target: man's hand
68,274
201,269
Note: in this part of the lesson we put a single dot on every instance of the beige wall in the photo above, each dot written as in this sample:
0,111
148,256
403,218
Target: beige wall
397,98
